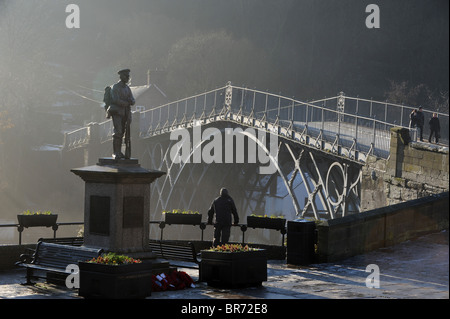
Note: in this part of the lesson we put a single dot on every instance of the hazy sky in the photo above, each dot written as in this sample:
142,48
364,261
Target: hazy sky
321,46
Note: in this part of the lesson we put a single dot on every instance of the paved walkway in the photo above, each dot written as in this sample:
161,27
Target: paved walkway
416,269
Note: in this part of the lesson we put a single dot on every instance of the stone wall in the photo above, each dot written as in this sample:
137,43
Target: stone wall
413,170
360,233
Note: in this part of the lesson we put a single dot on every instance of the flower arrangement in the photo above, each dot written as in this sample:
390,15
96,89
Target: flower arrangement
179,211
114,276
182,217
233,265
267,222
30,218
232,248
114,259
28,212
176,280
266,216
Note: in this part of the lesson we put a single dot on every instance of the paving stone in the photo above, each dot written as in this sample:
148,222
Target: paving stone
416,269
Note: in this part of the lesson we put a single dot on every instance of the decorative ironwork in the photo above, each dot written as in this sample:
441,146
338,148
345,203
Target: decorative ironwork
321,149
341,106
228,96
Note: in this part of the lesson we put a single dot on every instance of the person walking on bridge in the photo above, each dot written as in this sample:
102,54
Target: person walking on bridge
223,207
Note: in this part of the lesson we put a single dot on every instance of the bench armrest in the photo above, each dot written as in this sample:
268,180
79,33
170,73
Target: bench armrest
25,259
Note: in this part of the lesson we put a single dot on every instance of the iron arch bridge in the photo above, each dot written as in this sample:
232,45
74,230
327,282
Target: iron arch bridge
287,157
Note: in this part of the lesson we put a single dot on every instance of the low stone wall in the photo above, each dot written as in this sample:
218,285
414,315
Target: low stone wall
360,233
9,254
413,170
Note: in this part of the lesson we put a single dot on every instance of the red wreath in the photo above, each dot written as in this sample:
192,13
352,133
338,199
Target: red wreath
176,280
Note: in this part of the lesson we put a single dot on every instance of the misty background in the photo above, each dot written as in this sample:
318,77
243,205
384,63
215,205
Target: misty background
52,78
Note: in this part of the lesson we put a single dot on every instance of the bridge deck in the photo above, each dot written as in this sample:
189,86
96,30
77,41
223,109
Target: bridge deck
360,127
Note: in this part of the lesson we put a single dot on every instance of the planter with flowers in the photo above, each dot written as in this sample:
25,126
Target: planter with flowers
267,222
37,218
113,276
182,217
233,265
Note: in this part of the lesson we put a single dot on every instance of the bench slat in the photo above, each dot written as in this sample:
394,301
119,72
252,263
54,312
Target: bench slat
48,269
174,251
74,241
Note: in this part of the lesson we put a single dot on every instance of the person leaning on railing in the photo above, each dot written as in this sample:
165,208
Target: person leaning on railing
435,128
223,207
420,121
413,119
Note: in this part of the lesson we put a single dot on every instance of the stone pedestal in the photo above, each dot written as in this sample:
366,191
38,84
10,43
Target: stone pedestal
117,206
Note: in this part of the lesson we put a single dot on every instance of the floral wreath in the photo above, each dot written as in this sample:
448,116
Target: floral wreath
176,280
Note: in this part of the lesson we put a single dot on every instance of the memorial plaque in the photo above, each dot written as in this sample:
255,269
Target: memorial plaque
99,215
117,206
133,211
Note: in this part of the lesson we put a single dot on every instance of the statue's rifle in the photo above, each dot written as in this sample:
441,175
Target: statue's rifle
127,134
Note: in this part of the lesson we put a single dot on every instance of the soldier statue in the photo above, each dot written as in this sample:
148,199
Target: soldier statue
120,110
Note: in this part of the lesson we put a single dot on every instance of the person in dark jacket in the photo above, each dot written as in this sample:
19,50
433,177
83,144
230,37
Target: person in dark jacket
412,119
420,121
435,128
223,207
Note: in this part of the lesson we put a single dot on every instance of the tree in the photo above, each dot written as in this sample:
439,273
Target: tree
26,83
209,60
415,95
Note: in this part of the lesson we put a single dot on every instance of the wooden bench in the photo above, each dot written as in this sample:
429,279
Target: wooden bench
54,258
72,241
174,250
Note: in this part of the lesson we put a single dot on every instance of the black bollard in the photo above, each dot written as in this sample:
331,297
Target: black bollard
300,242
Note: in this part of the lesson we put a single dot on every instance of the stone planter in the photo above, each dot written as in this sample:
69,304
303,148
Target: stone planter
128,281
183,219
37,220
266,222
233,269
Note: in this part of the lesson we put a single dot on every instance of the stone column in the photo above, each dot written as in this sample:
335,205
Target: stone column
117,206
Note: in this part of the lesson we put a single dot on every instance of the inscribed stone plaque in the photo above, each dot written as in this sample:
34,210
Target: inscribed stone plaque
133,212
99,215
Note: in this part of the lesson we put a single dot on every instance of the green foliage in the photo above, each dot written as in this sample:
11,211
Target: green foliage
114,259
29,212
209,59
179,211
267,216
232,248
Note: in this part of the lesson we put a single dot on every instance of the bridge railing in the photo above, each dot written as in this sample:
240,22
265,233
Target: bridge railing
366,123
76,138
319,121
323,120
396,115
359,124
106,129
180,112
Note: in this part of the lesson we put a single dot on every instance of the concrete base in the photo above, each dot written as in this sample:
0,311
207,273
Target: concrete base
117,206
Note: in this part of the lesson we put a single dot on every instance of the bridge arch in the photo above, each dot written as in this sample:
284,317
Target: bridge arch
289,174
323,145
